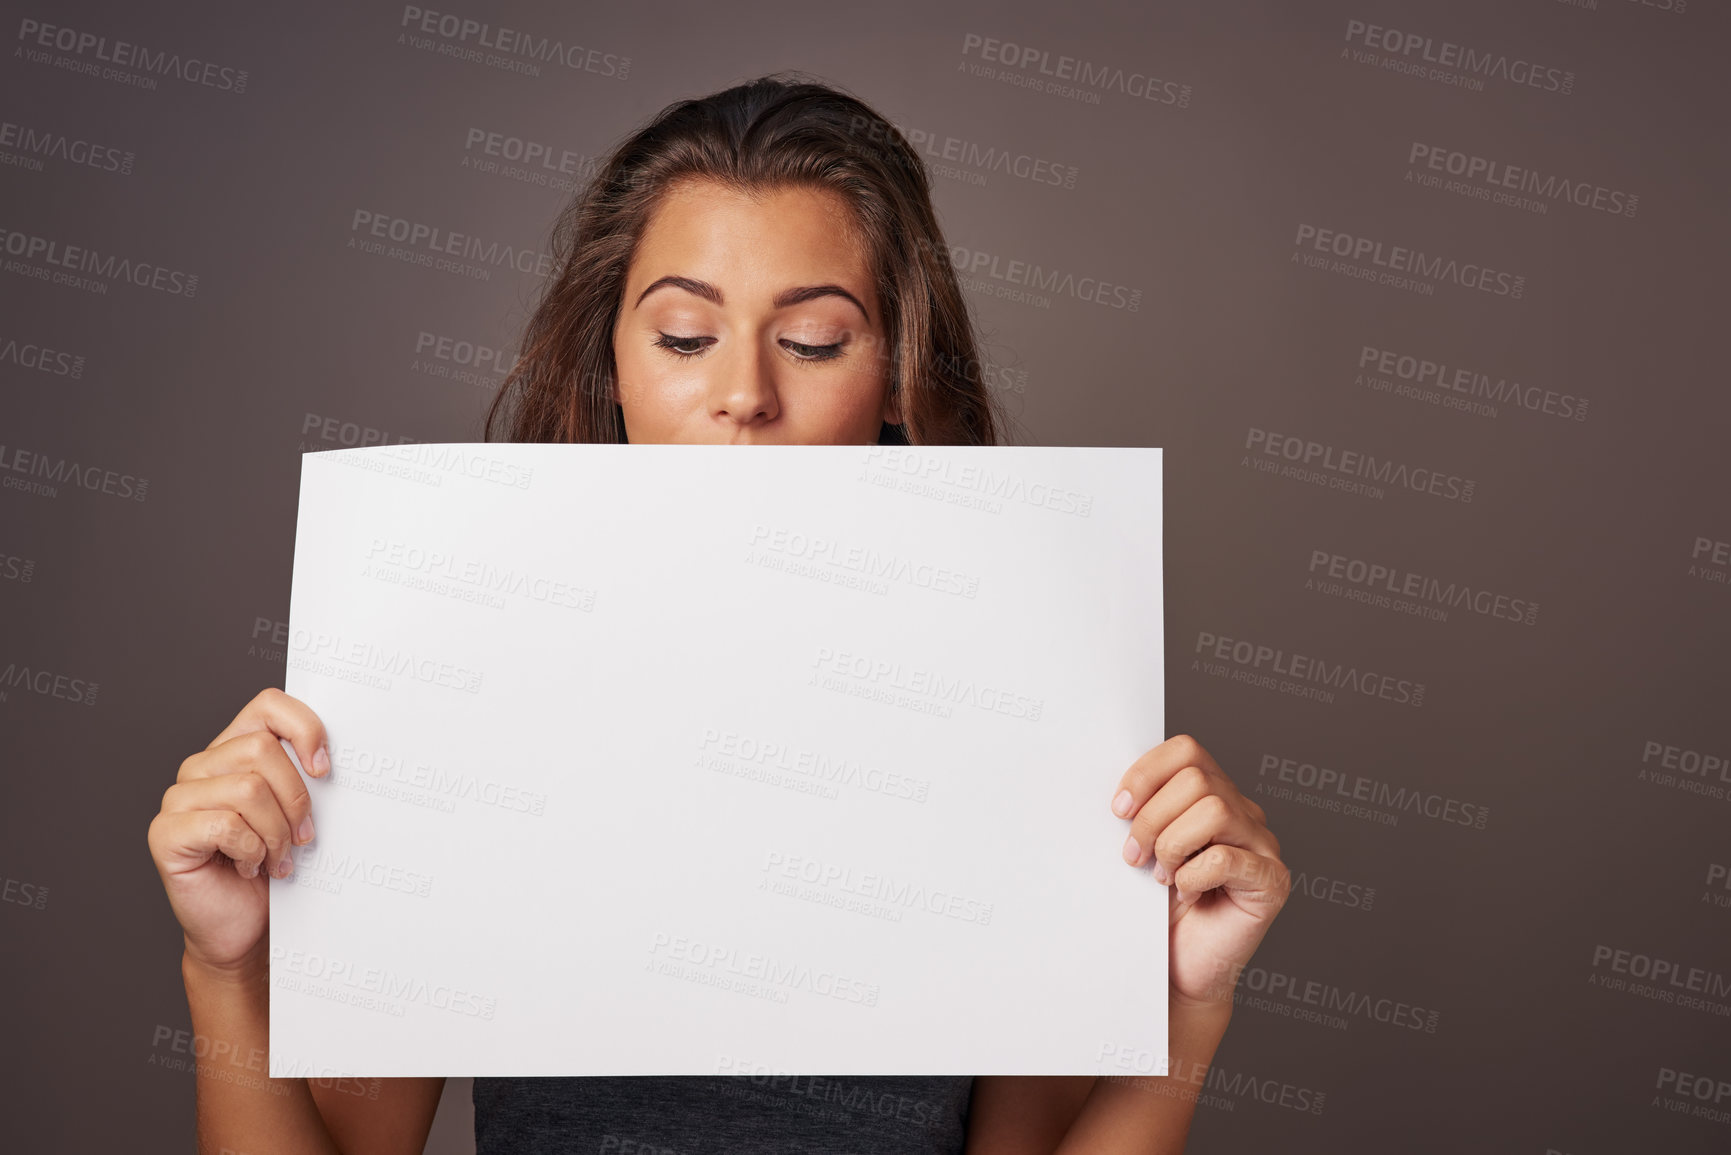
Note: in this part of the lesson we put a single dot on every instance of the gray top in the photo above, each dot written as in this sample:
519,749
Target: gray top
680,1115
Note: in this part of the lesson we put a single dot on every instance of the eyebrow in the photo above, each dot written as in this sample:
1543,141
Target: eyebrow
782,299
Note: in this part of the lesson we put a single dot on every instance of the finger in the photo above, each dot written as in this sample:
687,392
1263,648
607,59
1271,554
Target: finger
1212,818
1253,880
1181,791
286,717
186,840
1155,768
258,753
249,796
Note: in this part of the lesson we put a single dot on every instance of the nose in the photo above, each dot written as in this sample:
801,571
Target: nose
742,389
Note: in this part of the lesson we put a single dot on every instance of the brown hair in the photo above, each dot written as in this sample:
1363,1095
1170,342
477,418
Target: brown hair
781,130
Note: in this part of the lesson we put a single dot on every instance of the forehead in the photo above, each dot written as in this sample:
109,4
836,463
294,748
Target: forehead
786,234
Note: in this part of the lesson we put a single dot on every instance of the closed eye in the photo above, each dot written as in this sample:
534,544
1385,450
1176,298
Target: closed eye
690,348
676,345
814,352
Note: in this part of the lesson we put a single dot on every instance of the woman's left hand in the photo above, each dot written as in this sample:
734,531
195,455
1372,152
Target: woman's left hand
1213,845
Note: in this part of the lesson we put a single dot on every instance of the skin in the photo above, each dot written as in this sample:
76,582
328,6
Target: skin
752,373
747,375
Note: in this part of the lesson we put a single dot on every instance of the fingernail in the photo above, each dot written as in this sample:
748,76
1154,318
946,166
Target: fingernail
304,832
1161,874
321,764
285,867
1131,851
1121,804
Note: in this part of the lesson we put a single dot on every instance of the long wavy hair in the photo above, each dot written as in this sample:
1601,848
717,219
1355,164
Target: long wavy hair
775,131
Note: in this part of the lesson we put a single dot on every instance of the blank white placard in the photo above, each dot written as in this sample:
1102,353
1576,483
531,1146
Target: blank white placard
652,759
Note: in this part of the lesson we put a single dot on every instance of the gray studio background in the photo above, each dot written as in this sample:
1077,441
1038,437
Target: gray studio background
1332,235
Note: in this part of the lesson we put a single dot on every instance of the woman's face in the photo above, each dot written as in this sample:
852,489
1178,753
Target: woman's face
751,320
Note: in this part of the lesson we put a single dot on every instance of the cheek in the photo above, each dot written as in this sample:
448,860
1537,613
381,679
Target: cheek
862,395
851,409
626,373
864,390
640,381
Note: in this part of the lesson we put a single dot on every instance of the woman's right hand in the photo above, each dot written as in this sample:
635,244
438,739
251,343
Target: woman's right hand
228,824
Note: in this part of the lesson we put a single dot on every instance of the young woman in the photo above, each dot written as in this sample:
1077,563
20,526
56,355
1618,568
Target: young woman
760,266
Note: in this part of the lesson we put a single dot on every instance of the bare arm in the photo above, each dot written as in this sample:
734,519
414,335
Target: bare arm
1150,1115
227,827
1072,1115
241,1108
1212,849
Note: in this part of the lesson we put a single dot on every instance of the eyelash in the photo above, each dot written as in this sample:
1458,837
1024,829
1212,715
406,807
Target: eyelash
667,341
